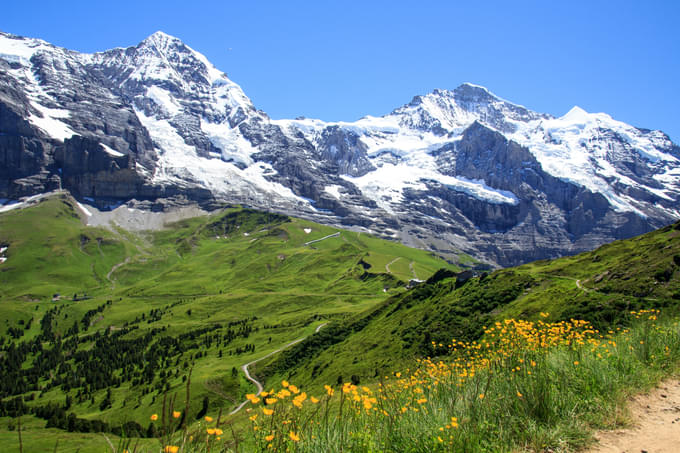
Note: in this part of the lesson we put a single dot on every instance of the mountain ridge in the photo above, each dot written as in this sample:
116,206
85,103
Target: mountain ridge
157,125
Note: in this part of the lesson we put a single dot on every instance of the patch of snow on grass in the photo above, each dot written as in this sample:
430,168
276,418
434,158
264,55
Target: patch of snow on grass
84,209
11,205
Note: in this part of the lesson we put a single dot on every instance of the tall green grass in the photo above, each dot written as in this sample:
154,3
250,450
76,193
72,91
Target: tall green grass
504,393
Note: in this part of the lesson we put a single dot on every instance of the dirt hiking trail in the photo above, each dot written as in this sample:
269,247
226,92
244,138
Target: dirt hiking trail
655,418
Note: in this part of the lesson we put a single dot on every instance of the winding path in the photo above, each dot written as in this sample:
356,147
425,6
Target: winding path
114,269
387,266
334,235
257,383
581,287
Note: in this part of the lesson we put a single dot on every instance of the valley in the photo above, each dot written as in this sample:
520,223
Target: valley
190,266
115,309
101,325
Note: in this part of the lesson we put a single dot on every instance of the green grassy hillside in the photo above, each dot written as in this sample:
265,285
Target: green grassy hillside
99,325
601,286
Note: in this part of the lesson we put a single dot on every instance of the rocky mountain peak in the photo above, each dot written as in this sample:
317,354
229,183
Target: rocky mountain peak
469,92
444,112
459,169
161,41
163,51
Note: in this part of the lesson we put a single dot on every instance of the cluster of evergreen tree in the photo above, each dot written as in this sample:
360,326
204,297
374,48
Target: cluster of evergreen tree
83,364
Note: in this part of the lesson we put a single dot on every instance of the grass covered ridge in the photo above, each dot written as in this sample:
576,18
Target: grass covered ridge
601,287
137,311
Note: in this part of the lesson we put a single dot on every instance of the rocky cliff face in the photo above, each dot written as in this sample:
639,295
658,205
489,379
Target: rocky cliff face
449,171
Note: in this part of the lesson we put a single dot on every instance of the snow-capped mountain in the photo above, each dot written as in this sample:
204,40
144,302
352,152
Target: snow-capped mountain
451,170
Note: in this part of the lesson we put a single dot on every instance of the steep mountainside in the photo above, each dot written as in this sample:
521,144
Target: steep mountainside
451,170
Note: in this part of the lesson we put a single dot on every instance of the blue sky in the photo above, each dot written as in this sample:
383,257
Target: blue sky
342,60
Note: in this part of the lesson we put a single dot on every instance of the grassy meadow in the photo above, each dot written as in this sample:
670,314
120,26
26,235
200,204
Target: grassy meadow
225,289
113,340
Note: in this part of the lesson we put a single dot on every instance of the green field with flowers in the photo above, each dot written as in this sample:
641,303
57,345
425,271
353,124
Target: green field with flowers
115,341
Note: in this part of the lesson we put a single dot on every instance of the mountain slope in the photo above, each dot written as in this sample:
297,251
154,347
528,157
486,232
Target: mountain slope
601,286
95,318
452,170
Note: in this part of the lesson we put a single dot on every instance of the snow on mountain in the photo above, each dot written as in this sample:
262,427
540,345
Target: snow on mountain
193,112
18,53
451,170
576,147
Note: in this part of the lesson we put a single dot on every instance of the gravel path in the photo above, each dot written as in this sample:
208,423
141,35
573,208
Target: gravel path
257,383
655,418
387,266
334,235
